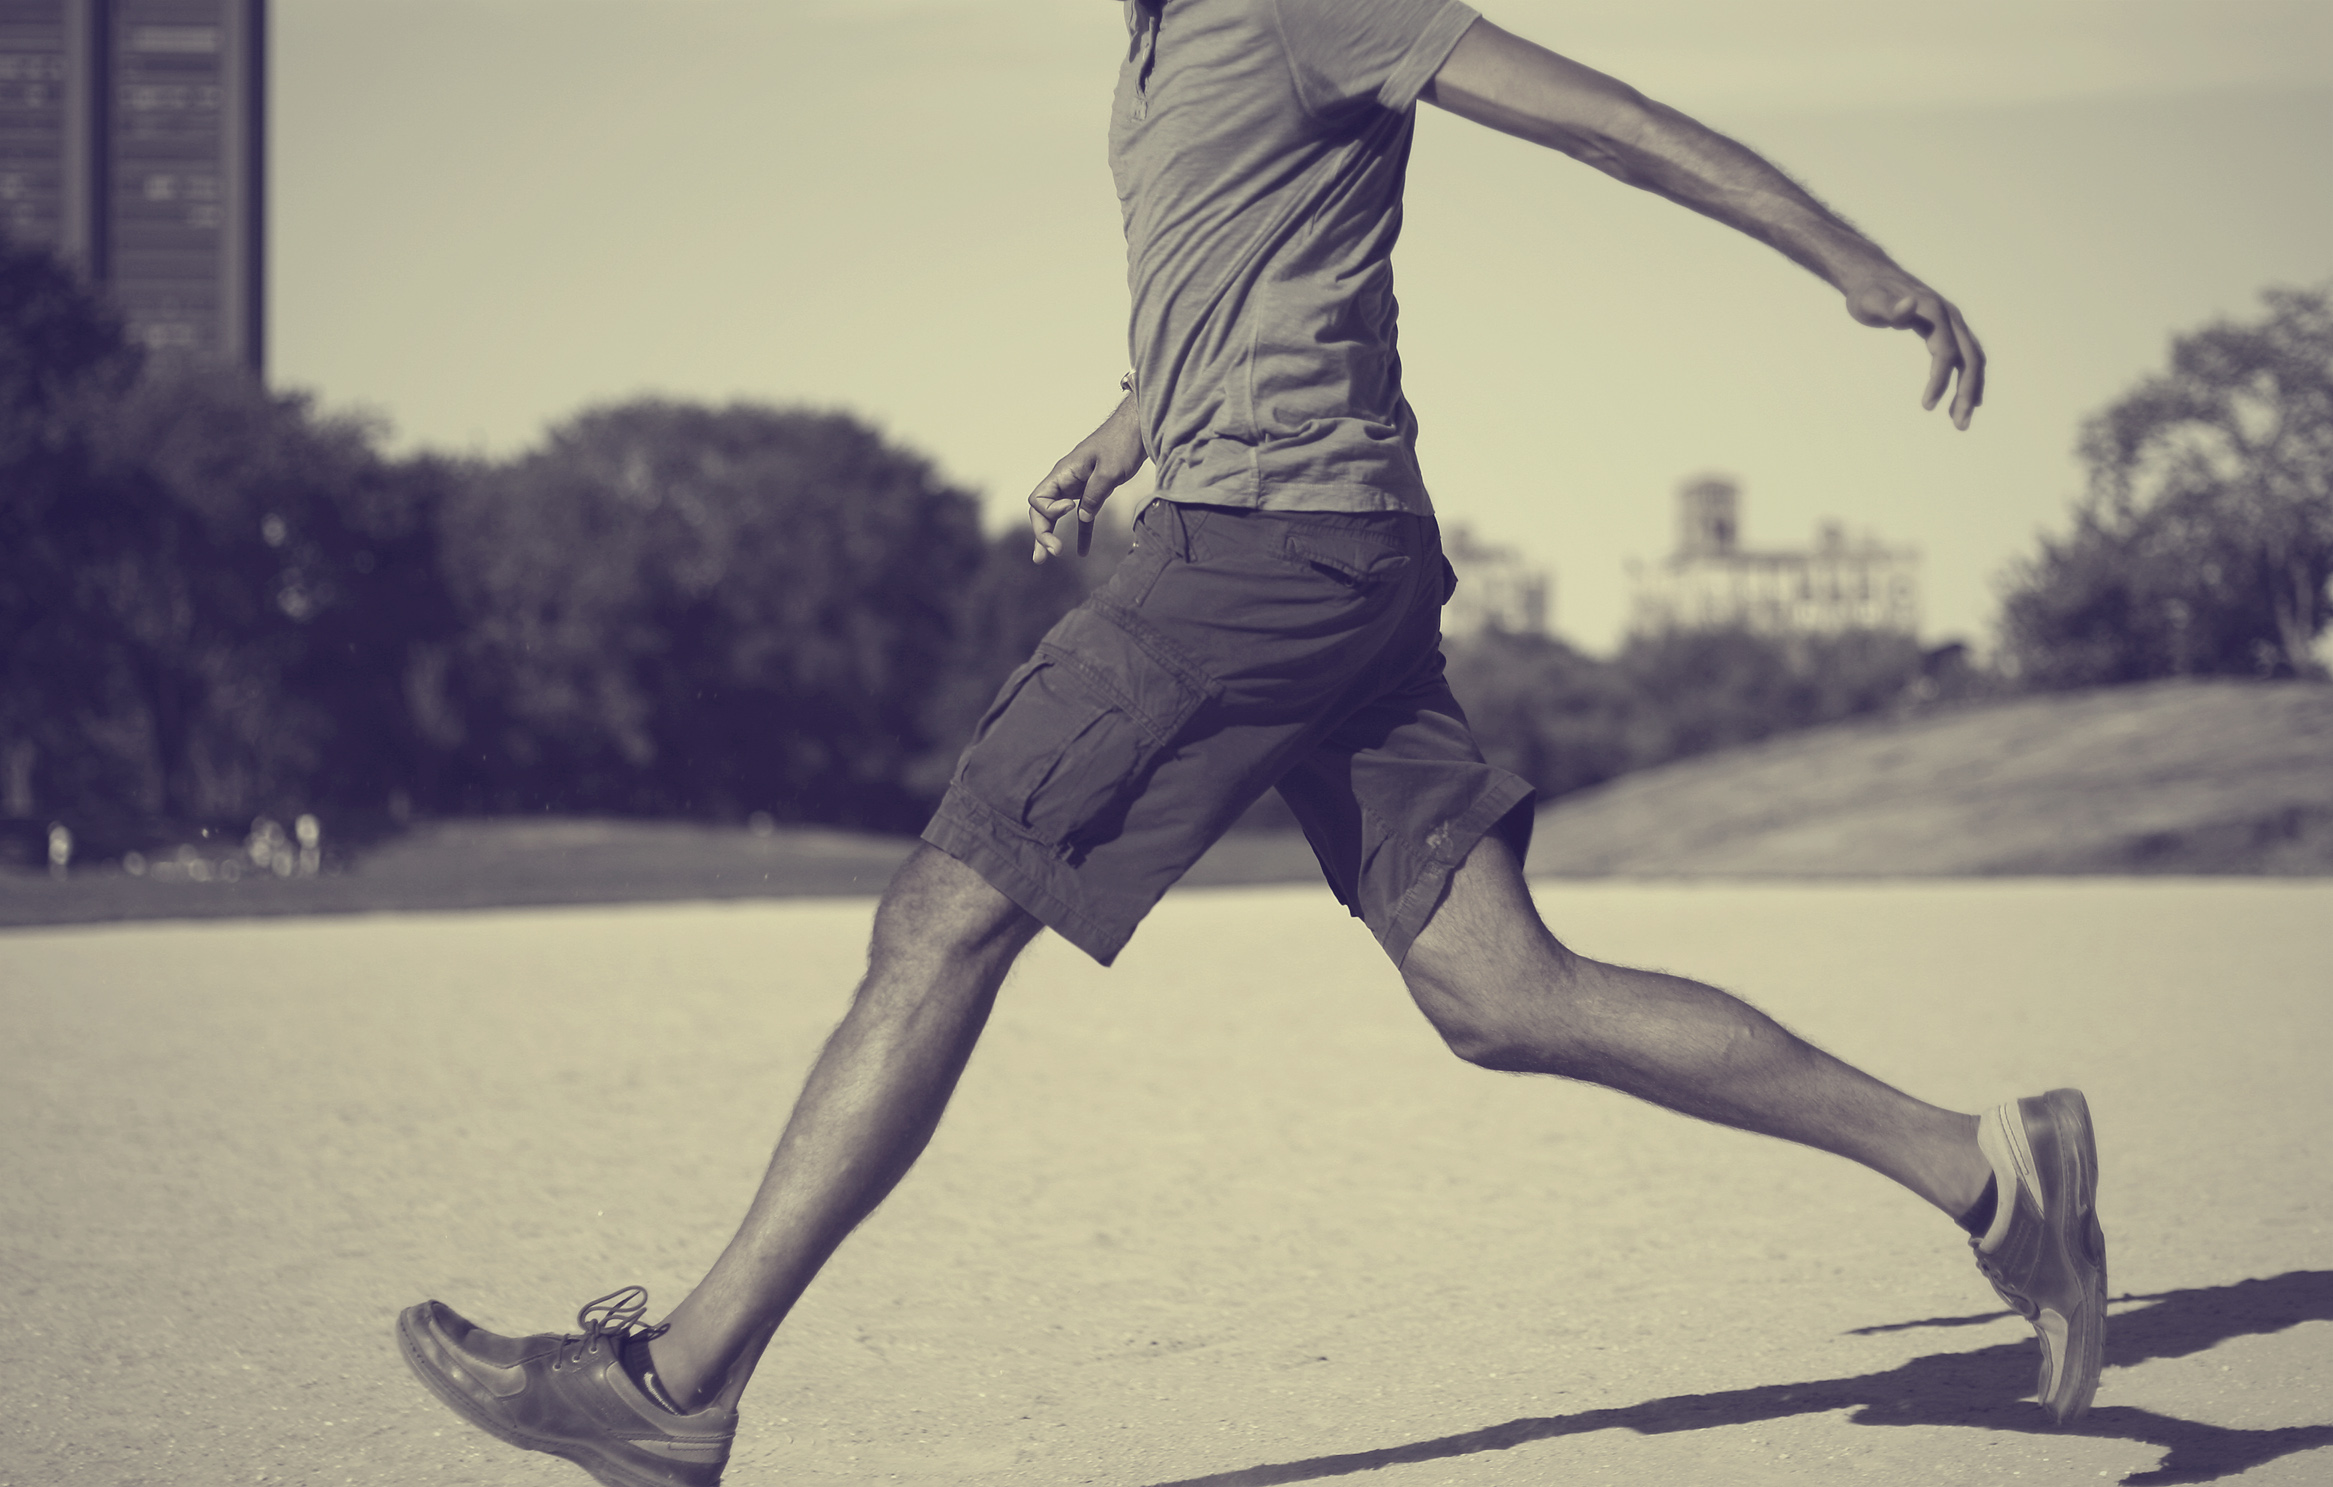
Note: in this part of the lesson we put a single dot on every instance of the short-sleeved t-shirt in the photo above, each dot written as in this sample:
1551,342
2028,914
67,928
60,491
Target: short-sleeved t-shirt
1259,148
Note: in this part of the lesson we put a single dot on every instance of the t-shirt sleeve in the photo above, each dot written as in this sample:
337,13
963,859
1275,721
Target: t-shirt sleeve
1344,51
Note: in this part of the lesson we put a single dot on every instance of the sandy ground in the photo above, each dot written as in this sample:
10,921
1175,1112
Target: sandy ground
1226,1215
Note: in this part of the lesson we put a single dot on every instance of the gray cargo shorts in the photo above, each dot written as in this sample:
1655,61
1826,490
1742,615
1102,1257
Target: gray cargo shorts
1234,651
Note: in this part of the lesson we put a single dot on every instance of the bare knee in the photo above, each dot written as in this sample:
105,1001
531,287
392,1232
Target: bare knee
1511,1013
939,921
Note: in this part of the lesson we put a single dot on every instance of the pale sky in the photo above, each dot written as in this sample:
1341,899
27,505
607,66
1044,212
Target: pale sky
490,214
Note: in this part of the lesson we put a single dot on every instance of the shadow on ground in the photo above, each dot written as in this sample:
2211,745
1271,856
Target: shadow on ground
1985,1389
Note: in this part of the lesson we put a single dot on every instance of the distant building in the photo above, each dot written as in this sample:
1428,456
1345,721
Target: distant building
1496,589
1711,580
133,140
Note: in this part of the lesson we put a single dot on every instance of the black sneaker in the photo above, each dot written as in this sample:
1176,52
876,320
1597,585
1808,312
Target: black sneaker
2045,1253
569,1395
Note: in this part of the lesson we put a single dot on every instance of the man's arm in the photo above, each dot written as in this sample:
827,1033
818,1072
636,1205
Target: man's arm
1083,479
1500,80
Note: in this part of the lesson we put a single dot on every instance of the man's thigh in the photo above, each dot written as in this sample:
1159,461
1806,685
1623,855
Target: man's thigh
1395,798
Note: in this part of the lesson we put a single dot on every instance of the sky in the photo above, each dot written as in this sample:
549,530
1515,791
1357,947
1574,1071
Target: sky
488,215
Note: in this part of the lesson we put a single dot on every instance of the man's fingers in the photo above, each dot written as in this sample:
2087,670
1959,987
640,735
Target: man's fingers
1044,512
1943,357
1972,371
1053,498
1092,494
1952,348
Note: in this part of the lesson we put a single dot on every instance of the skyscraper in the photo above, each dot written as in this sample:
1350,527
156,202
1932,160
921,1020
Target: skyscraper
133,140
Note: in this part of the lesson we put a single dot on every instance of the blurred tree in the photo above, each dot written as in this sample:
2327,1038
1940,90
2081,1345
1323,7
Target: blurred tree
672,607
1559,718
221,587
60,346
61,356
1565,720
190,613
1710,689
1701,690
2205,542
1006,609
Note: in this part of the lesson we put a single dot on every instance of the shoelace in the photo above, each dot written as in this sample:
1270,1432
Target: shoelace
615,1316
2003,1287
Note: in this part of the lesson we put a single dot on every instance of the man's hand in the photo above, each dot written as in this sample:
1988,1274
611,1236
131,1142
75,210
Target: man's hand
1104,460
1515,86
1894,300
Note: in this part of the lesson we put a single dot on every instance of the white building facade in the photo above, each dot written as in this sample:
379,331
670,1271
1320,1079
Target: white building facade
1711,580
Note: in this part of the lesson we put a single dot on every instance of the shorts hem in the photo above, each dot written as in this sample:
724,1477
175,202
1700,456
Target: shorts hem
1426,890
989,851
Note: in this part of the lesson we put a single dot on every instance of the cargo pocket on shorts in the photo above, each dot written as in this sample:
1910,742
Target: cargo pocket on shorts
1077,730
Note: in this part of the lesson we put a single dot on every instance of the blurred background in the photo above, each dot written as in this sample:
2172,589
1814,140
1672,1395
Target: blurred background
451,410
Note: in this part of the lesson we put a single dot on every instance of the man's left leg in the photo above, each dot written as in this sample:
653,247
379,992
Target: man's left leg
1505,994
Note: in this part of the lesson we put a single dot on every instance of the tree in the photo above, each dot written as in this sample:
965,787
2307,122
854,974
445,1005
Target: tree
1005,610
672,607
241,563
1561,719
2205,542
200,581
1564,720
61,354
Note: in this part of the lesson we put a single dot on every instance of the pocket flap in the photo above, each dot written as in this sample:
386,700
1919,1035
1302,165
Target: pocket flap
1137,670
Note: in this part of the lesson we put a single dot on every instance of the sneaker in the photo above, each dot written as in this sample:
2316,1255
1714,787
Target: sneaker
2045,1253
569,1396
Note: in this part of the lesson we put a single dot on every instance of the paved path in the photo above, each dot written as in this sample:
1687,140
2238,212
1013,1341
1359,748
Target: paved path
1226,1215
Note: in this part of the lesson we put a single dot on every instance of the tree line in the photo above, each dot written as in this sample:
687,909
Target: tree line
218,601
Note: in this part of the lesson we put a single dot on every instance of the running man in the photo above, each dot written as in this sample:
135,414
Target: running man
1276,626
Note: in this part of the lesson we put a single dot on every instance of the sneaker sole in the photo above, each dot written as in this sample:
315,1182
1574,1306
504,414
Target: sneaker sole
610,1473
2063,1152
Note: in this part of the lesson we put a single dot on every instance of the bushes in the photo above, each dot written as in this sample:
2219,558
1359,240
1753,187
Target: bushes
1564,720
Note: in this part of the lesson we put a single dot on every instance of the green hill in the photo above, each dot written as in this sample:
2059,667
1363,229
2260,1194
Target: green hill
2170,777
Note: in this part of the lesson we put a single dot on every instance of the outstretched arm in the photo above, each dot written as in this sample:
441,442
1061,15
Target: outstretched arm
1498,79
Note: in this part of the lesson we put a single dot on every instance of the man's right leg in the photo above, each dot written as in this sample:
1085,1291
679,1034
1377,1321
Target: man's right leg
943,941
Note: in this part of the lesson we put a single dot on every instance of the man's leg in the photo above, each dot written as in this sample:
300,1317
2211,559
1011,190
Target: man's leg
1507,995
943,942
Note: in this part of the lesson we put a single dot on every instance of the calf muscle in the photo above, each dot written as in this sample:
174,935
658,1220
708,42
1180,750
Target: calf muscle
1507,995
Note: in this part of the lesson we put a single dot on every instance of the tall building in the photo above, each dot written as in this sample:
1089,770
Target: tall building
1711,579
133,139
